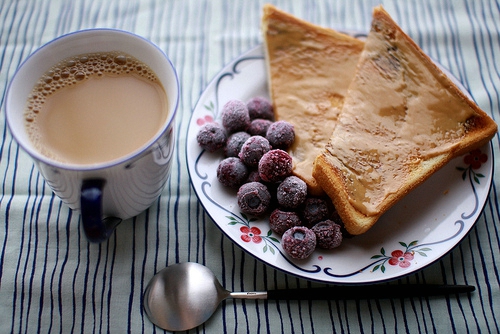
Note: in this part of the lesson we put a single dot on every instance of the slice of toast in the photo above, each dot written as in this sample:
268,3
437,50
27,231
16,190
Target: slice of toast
402,120
309,70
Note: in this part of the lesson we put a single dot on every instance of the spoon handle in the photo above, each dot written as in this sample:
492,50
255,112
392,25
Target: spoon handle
369,292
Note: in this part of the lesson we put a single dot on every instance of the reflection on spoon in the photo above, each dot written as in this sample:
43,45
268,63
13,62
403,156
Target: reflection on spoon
185,295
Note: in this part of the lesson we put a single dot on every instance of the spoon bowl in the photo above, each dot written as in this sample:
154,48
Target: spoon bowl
183,296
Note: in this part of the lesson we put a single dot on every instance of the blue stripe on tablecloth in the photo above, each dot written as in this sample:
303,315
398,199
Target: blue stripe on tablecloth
182,66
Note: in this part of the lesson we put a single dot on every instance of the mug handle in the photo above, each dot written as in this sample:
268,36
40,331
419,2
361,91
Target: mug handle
96,228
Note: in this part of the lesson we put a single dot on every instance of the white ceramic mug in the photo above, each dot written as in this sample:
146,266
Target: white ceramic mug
105,193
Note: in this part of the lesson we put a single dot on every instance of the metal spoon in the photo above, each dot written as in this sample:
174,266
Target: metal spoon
185,295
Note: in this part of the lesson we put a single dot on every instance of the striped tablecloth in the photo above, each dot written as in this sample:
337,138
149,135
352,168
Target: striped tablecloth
53,281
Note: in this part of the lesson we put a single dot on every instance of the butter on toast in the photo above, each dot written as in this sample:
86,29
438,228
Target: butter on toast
402,120
309,70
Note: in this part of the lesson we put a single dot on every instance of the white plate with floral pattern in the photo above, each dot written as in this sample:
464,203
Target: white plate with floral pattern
415,233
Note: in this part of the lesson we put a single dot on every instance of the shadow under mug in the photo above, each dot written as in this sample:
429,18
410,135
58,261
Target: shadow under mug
105,193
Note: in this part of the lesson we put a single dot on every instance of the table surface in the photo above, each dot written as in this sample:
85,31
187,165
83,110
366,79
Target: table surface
53,281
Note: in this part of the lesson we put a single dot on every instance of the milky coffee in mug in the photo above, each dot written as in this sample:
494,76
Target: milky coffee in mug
99,124
94,108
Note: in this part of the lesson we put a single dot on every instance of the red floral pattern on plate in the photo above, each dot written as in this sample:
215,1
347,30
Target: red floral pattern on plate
250,234
253,233
475,159
398,257
403,259
203,120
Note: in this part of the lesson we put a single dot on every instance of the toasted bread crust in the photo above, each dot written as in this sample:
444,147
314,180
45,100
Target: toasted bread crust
335,169
355,221
309,69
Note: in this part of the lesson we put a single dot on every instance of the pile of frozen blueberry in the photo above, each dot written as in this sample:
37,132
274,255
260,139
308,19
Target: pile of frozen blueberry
256,165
